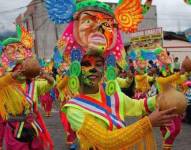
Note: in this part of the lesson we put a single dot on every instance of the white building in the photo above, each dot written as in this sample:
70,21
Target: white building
178,48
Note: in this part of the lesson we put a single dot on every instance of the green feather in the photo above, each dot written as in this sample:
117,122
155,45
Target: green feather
10,41
19,32
158,51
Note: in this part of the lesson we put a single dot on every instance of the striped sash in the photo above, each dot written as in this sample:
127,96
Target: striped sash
29,94
107,109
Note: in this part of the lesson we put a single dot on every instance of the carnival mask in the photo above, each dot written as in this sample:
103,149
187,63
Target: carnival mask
142,64
15,52
94,30
92,70
164,58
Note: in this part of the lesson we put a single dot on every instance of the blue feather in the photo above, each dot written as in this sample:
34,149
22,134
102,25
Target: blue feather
148,55
57,57
133,55
60,11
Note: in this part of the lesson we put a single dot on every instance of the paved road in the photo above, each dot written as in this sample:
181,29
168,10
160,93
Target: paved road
183,142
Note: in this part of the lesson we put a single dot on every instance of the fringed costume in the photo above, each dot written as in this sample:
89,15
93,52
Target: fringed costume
25,128
90,38
166,80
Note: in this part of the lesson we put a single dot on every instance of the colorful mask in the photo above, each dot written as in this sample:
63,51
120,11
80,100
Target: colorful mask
17,49
164,58
141,65
165,62
93,28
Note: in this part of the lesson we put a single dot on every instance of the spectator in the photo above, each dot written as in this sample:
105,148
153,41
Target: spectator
176,64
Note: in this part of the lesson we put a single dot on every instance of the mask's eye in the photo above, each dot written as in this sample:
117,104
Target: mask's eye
99,63
86,64
106,24
87,21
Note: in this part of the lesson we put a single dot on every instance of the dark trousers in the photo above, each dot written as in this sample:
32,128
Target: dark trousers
188,114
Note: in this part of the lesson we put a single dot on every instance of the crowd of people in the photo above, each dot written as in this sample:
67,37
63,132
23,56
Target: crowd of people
95,90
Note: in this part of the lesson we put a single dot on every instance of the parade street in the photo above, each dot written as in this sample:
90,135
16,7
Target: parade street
57,132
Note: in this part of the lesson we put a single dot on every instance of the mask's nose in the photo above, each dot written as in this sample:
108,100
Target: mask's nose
93,70
101,29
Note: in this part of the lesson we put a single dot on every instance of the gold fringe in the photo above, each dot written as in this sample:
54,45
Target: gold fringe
134,137
12,102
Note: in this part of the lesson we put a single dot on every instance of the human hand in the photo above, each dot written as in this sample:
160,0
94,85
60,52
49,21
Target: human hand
47,77
162,118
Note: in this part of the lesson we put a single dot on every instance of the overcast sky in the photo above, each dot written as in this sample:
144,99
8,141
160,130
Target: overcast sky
172,14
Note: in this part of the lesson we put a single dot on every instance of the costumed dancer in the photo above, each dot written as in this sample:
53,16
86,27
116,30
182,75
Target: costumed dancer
165,81
64,96
2,121
47,101
186,65
125,77
25,128
142,79
93,38
64,93
187,86
50,96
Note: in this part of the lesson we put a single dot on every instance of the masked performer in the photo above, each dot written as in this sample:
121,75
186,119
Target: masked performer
2,122
142,79
50,96
25,128
92,40
166,80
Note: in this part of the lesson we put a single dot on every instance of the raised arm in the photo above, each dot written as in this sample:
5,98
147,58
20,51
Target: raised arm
124,83
139,107
165,80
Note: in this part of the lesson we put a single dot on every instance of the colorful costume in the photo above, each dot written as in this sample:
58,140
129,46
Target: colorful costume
91,32
2,121
47,101
187,92
142,79
25,129
111,117
64,96
165,81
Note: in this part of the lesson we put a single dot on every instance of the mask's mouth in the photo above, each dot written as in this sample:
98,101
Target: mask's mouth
97,38
92,77
19,57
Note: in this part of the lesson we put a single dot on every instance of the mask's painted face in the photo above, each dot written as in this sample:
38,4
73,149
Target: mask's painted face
20,52
164,58
92,70
10,51
15,51
142,64
94,30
